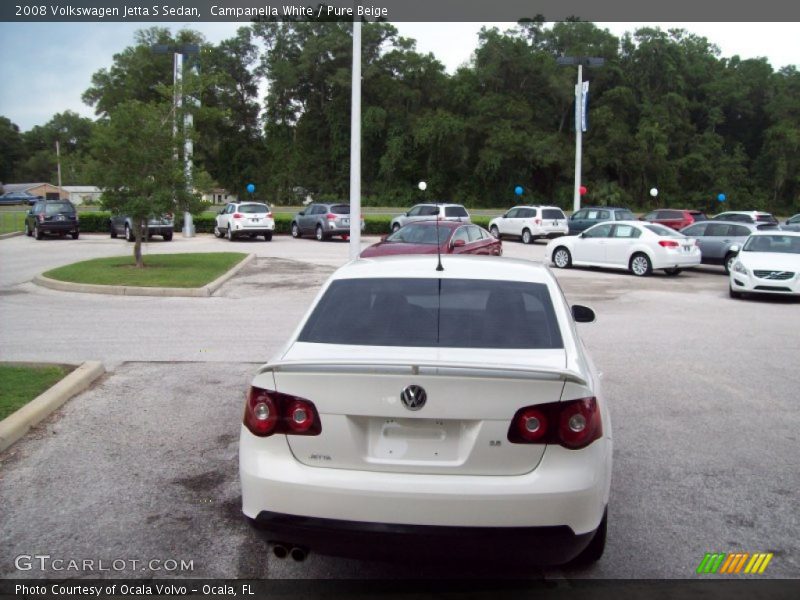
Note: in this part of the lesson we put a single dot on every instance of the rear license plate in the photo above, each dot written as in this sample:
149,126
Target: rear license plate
60,218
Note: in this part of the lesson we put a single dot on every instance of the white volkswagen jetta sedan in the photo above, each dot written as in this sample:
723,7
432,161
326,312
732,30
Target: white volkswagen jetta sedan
768,263
454,412
632,245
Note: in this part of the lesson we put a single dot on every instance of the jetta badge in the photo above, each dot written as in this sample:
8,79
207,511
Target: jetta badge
413,397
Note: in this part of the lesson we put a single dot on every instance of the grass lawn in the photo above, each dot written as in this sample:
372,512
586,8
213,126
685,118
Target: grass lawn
21,384
11,221
160,270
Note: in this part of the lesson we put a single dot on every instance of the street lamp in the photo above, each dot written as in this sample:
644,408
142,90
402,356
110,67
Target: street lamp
179,51
581,61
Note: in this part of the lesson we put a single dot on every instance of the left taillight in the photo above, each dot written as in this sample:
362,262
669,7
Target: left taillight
573,424
668,243
267,412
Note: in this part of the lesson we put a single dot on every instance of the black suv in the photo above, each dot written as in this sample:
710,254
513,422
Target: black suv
52,216
591,215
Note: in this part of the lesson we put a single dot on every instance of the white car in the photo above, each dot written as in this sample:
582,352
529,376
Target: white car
244,219
633,245
530,222
768,263
430,212
454,411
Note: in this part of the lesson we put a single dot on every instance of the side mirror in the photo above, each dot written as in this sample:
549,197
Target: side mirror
458,244
582,234
734,248
582,314
302,213
642,218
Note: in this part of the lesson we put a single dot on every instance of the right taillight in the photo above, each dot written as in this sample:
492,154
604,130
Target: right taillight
267,412
573,424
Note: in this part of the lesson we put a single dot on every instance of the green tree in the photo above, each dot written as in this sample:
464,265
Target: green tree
138,168
10,149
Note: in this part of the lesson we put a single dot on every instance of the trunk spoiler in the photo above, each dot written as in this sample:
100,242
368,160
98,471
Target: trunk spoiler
440,368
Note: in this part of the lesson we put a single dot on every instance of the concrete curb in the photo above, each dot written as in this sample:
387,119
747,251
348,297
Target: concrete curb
127,290
5,236
17,424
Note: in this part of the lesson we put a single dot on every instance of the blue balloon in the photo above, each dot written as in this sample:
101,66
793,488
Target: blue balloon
518,190
251,188
721,197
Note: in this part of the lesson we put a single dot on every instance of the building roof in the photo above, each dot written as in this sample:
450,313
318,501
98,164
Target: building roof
23,187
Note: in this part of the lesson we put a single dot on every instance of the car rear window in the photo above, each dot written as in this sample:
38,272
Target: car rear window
53,208
663,231
625,215
253,208
419,234
340,209
455,211
552,213
448,313
766,219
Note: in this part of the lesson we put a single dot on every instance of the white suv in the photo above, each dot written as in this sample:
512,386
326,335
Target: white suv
431,412
530,222
244,218
429,212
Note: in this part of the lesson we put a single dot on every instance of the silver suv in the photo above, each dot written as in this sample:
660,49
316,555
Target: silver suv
530,222
429,212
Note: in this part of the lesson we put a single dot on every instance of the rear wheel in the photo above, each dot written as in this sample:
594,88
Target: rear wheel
672,271
728,263
320,235
129,234
112,231
167,237
37,233
594,551
229,233
218,232
75,235
640,265
268,236
495,232
527,238
295,231
562,258
27,230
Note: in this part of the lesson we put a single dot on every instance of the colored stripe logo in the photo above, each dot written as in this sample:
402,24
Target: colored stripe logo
734,564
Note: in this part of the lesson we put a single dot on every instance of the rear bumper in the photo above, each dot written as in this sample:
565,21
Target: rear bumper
540,545
568,488
258,228
676,260
58,226
160,229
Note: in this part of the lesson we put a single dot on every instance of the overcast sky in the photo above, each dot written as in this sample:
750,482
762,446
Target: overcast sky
45,67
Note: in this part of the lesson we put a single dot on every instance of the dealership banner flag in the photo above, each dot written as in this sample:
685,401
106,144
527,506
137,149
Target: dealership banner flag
584,104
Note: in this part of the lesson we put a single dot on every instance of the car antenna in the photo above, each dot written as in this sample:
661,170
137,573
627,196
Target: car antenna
422,186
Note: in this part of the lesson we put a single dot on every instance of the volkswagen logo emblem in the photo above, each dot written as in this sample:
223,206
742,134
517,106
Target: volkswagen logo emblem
413,397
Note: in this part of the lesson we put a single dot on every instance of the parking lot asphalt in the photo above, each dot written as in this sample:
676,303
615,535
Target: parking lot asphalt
143,466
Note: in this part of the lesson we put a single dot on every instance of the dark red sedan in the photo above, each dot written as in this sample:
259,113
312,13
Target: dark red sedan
421,238
677,218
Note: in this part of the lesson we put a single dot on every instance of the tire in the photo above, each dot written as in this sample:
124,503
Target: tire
75,235
672,272
732,293
319,234
527,238
167,237
229,233
37,233
495,232
112,231
268,236
594,551
296,231
27,230
129,235
562,258
395,227
640,265
218,232
727,264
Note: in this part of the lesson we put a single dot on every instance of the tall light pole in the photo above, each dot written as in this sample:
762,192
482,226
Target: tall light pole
581,61
355,143
180,51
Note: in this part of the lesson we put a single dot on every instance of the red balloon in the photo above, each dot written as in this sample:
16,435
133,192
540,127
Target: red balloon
582,190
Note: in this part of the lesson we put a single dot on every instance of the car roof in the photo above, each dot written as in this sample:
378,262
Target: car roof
744,212
776,232
441,223
535,206
438,204
722,222
605,208
455,267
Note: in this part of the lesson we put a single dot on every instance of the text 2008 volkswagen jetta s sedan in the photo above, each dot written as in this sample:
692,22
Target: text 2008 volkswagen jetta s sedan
453,411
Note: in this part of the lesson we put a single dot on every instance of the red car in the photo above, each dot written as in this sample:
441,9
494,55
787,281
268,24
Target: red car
677,218
420,237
